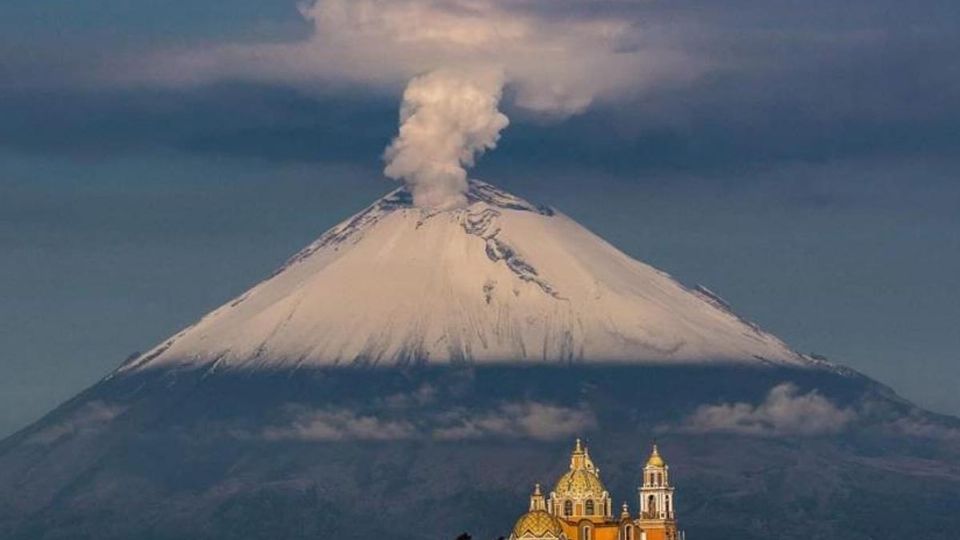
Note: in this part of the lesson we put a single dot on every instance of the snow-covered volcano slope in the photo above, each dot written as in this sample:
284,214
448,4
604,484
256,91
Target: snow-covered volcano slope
500,280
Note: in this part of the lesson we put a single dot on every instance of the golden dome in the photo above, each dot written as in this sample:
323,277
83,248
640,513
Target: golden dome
578,484
582,480
537,523
655,459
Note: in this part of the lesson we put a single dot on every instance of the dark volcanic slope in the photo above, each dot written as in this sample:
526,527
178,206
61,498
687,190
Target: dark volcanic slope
427,453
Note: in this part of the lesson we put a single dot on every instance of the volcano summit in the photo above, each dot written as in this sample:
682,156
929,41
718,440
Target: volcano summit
409,374
500,280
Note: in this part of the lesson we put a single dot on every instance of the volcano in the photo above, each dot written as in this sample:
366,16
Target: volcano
412,372
500,280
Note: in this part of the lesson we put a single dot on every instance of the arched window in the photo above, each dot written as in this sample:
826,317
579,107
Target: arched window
667,504
585,533
568,508
589,508
659,479
628,533
651,504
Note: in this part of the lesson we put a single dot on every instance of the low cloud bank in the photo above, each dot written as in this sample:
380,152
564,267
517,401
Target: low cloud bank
526,420
922,428
337,425
88,418
530,420
784,412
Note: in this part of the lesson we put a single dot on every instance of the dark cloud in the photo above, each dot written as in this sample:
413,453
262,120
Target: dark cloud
787,82
141,23
235,119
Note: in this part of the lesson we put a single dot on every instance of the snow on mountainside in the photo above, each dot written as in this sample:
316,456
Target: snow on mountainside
500,280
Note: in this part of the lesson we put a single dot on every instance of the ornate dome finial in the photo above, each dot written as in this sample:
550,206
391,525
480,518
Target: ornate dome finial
577,457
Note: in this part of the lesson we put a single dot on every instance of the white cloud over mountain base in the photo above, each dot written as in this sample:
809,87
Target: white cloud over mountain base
785,411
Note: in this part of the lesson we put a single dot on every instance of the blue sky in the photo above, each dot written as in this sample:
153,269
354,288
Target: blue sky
799,159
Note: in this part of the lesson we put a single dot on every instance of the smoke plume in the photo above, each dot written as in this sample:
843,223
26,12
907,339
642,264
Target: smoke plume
448,118
556,60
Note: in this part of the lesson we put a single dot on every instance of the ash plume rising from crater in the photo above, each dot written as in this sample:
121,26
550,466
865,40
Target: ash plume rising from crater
448,118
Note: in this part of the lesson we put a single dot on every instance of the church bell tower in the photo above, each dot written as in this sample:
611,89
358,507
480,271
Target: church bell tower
657,518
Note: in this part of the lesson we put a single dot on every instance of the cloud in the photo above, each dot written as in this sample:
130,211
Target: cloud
448,118
458,56
556,64
425,394
524,420
678,85
784,412
924,428
88,418
338,425
528,420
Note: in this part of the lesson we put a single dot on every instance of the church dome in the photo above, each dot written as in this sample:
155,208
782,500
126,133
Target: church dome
579,484
583,478
537,524
655,459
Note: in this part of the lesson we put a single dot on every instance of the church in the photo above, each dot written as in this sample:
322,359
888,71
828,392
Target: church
580,508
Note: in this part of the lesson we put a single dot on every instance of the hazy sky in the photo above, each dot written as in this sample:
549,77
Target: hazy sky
801,159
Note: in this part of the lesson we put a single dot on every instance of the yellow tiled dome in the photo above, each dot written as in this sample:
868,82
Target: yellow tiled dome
537,523
578,484
582,480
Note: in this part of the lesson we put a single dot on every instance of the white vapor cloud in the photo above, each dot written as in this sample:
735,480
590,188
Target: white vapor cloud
337,425
912,426
527,420
554,63
524,420
460,55
446,120
88,418
425,394
784,412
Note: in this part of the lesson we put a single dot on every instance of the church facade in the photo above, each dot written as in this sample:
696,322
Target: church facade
580,508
